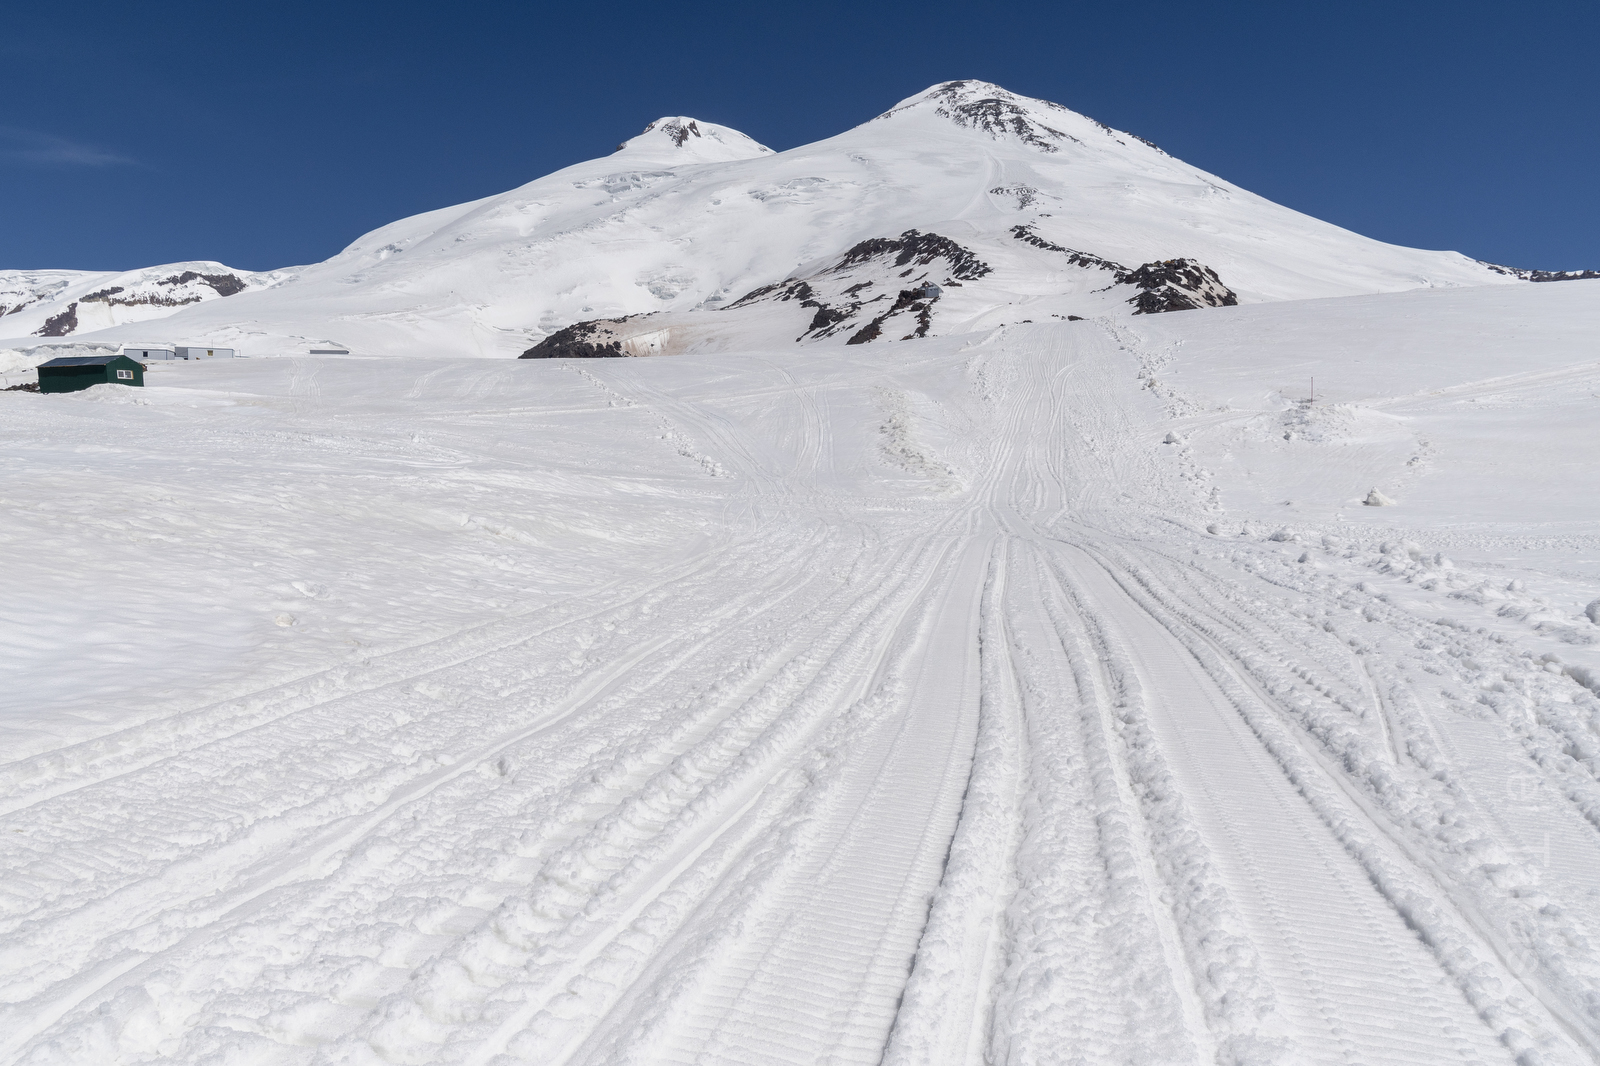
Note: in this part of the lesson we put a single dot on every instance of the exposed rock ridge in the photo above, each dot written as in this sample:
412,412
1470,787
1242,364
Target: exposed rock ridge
177,290
60,324
581,340
989,108
1542,275
221,284
838,306
1177,285
679,132
1075,257
1165,285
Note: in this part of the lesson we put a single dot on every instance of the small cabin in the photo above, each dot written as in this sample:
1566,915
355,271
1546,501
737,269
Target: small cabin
193,352
71,373
156,351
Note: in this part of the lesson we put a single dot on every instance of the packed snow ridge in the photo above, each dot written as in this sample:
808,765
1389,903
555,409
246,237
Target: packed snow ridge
1073,218
972,645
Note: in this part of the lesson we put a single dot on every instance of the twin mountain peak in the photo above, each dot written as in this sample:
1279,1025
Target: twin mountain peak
962,208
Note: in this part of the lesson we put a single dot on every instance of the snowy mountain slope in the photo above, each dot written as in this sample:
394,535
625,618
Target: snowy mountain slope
70,303
1483,376
787,706
889,286
690,216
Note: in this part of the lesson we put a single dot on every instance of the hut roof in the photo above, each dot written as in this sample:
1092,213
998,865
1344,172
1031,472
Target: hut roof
82,360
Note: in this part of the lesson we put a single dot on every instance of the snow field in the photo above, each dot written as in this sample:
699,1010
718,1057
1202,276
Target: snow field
800,707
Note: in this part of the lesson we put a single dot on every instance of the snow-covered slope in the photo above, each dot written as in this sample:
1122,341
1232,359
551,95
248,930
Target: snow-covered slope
1044,694
72,303
1037,690
1062,212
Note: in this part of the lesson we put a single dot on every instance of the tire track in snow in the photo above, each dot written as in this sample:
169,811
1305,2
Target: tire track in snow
819,968
1089,890
137,748
944,1013
662,1012
569,916
310,857
732,851
1326,980
225,892
1231,1006
1425,878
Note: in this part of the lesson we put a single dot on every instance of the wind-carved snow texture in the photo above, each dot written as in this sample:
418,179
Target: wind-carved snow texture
900,446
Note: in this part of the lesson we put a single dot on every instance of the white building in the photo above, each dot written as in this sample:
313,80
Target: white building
142,352
190,352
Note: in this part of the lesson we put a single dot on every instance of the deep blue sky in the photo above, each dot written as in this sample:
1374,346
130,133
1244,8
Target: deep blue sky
272,134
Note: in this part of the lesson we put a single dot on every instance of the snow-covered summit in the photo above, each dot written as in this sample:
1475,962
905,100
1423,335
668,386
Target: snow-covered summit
678,139
987,108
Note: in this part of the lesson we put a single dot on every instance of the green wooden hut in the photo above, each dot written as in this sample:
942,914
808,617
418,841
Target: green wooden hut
73,372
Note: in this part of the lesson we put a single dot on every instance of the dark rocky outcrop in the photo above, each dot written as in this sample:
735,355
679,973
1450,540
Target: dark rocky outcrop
869,332
581,340
918,302
62,324
921,249
996,115
888,259
1166,285
221,284
224,284
1076,258
1543,275
1176,285
680,132
1025,195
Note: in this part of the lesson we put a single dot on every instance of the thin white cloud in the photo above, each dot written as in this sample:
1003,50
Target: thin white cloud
48,150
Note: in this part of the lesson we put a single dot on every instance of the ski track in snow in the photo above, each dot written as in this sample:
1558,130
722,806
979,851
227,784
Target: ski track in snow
990,757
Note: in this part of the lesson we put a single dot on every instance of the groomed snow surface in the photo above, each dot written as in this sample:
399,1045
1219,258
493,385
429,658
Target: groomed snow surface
1043,694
